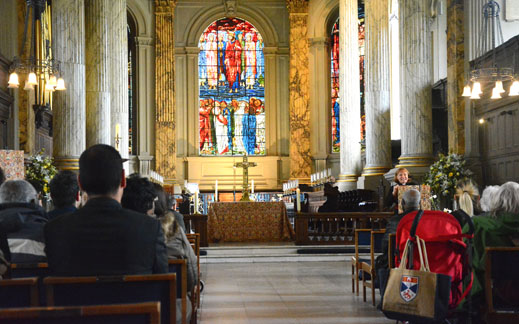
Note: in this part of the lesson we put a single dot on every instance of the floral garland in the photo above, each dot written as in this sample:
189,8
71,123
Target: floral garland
39,171
445,173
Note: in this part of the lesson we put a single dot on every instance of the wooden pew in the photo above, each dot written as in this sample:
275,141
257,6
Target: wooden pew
198,224
77,291
194,239
143,313
22,292
179,267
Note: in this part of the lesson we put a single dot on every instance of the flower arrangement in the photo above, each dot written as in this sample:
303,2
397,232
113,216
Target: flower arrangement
445,173
39,171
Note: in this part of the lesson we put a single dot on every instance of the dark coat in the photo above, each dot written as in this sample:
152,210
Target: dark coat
22,225
102,238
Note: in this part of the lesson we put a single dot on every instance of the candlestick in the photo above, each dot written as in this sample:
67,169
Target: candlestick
117,137
298,200
252,186
196,202
216,190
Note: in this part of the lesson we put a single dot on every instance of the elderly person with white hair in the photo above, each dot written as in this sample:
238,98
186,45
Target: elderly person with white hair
21,222
501,228
487,199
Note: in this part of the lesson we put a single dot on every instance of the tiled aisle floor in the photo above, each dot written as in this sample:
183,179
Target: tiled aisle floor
292,292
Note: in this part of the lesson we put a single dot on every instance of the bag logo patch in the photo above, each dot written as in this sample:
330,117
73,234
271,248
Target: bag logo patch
409,288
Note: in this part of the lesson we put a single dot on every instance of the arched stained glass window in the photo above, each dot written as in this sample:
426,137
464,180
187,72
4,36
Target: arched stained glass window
334,59
232,96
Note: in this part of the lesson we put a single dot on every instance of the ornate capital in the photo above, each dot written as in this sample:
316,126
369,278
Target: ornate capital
143,41
230,8
297,6
165,6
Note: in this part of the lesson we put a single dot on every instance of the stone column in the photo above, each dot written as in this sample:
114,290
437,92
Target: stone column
300,158
320,108
456,75
97,22
349,94
165,139
378,119
145,73
69,105
119,75
416,81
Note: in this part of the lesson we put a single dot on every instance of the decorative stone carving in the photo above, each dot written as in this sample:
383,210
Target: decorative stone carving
297,6
230,8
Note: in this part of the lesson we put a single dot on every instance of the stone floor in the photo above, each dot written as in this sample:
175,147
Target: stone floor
283,292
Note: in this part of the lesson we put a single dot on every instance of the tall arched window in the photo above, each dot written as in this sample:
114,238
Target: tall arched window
232,95
334,59
132,89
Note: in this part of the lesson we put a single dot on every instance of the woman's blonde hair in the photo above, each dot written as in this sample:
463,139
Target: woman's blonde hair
467,194
398,172
169,225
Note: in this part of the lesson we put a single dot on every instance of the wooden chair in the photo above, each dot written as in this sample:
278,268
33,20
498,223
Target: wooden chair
502,285
391,250
179,267
361,238
144,313
24,270
194,239
367,267
77,291
22,292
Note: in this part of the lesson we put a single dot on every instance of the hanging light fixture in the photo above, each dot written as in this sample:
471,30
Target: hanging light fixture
45,68
496,75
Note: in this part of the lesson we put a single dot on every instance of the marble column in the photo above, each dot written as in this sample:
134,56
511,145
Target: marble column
416,81
300,158
455,75
69,105
320,145
97,57
165,139
119,76
378,119
349,95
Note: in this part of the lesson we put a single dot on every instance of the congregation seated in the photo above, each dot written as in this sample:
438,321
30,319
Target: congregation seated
499,228
141,195
167,204
103,238
64,192
487,199
21,222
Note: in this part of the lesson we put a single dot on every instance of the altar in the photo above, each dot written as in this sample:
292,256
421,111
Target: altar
248,222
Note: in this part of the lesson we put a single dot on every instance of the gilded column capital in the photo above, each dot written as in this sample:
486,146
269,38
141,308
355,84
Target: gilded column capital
164,7
297,6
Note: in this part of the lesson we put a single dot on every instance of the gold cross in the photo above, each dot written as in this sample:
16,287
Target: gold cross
245,165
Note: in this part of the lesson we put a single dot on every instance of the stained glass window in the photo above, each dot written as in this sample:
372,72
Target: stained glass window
232,95
334,59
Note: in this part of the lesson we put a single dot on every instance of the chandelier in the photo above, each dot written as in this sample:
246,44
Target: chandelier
41,70
494,74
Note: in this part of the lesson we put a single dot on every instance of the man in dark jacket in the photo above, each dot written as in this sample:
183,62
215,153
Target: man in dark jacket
21,222
102,238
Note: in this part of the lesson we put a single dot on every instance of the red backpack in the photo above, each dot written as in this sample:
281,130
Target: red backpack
447,253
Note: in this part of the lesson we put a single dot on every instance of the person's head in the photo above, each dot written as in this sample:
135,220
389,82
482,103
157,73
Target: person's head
161,204
411,200
2,176
64,189
169,225
467,194
401,176
101,172
139,195
18,191
506,199
487,198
